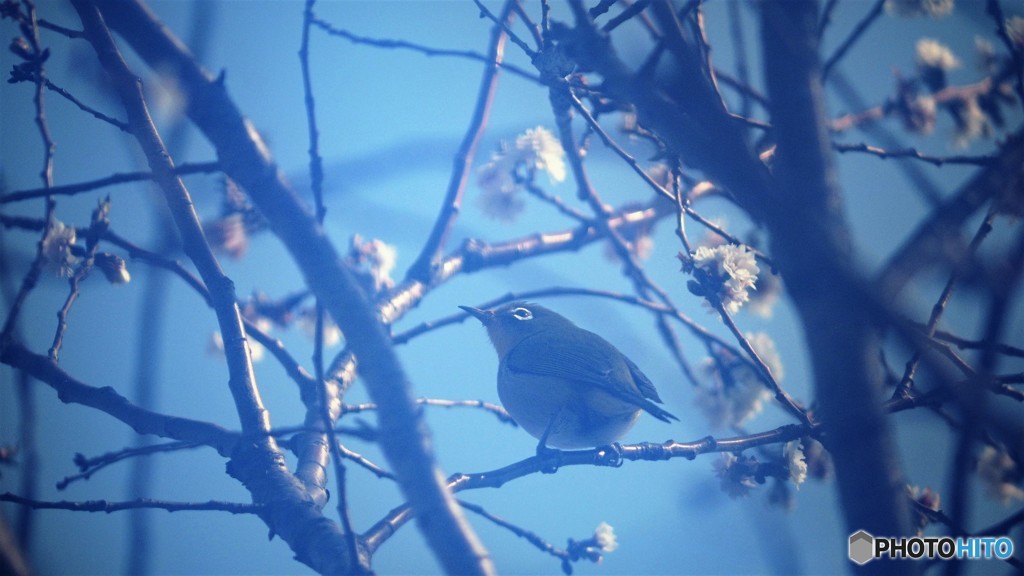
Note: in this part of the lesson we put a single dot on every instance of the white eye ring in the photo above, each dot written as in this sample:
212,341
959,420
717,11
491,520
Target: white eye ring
522,314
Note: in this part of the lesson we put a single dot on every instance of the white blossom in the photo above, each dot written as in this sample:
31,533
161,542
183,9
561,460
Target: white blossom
604,535
378,257
539,148
796,462
933,54
535,150
57,248
912,8
733,268
1000,474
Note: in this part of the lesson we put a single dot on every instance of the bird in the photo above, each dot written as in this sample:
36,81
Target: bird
566,386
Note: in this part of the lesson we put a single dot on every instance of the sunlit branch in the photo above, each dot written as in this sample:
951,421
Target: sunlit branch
914,154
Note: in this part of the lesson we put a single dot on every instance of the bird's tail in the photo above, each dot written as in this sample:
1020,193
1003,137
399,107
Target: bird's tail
658,412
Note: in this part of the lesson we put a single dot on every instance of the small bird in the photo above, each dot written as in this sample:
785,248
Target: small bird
566,386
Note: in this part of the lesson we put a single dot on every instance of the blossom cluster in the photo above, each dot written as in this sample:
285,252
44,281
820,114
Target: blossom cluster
727,272
503,177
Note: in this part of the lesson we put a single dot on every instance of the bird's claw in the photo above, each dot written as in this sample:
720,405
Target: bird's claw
610,455
550,458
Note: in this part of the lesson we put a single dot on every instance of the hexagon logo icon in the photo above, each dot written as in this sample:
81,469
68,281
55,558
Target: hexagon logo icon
861,545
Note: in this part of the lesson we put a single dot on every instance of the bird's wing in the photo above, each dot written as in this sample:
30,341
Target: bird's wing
642,381
601,366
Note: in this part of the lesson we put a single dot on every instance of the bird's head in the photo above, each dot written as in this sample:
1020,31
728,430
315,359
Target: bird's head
509,324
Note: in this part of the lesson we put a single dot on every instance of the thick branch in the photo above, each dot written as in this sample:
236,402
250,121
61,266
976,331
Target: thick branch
258,463
811,244
247,160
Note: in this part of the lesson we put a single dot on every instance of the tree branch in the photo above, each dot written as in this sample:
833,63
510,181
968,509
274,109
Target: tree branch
403,433
812,246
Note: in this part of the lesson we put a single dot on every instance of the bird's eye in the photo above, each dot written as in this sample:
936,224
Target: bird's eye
522,314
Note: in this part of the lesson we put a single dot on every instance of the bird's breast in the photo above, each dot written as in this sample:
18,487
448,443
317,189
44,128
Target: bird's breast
579,414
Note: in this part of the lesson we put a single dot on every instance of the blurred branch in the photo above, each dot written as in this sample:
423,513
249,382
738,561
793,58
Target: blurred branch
937,239
812,245
855,35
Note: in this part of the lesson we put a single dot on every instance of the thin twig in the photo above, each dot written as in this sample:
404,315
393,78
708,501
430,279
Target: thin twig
122,126
316,165
964,343
944,297
61,29
425,50
89,466
826,17
762,369
625,15
635,166
364,462
117,178
503,23
500,413
423,267
532,538
914,154
28,23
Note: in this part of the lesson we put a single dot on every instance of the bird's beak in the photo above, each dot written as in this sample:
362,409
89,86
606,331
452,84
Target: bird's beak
484,316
